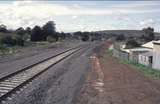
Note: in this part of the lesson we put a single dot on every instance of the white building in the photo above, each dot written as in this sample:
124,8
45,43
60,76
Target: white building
146,58
149,44
135,52
156,55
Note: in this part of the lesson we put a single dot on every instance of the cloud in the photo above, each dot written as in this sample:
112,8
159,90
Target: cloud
136,4
147,22
74,17
31,13
21,3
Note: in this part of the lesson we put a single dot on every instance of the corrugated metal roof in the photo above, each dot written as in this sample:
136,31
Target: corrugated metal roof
156,42
150,44
140,49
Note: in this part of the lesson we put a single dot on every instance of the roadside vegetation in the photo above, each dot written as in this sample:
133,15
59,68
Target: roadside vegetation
109,52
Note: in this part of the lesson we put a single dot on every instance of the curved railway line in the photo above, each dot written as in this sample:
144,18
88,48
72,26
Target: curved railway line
14,81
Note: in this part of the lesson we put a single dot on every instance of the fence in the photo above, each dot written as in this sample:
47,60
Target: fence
120,54
132,56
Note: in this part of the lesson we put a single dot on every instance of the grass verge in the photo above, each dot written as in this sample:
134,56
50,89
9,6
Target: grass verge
109,52
147,71
14,49
8,50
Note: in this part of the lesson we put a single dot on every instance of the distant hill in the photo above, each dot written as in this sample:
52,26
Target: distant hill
127,33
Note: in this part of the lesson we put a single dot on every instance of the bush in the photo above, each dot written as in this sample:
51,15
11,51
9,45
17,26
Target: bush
19,41
9,40
120,37
132,43
51,39
85,37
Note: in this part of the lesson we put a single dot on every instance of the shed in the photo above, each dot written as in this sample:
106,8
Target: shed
134,53
156,55
146,58
149,44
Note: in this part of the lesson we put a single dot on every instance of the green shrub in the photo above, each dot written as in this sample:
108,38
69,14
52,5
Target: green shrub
132,43
51,39
110,52
18,40
8,40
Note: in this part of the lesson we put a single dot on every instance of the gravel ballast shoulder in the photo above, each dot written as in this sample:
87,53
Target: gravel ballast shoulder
59,84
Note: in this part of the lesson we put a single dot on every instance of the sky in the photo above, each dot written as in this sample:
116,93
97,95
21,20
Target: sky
70,16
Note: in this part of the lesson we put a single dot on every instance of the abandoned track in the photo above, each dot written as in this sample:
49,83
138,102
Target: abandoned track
15,81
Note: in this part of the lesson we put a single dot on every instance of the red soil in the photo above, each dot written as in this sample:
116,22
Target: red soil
110,82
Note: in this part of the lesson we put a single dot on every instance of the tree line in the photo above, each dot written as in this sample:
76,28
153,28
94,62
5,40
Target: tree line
87,36
17,37
47,32
132,42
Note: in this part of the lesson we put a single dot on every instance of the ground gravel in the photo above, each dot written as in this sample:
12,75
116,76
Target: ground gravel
60,84
14,63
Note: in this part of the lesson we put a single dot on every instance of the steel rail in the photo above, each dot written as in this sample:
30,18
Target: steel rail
14,81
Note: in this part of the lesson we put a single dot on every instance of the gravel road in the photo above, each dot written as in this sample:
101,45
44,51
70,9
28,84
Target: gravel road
60,84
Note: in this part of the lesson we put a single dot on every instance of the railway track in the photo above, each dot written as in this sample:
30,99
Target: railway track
13,82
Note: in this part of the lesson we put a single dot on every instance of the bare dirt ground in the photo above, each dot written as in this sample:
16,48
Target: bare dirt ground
110,82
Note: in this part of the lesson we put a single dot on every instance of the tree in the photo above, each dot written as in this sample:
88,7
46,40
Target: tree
62,35
149,34
68,35
77,35
36,34
28,30
49,30
85,36
20,31
3,28
132,43
11,40
18,40
7,40
120,37
27,35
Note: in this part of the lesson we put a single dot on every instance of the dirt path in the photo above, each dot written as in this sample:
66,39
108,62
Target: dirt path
111,82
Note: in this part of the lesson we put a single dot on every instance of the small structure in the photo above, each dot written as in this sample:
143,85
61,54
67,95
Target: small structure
156,55
119,53
149,44
134,53
148,54
146,58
